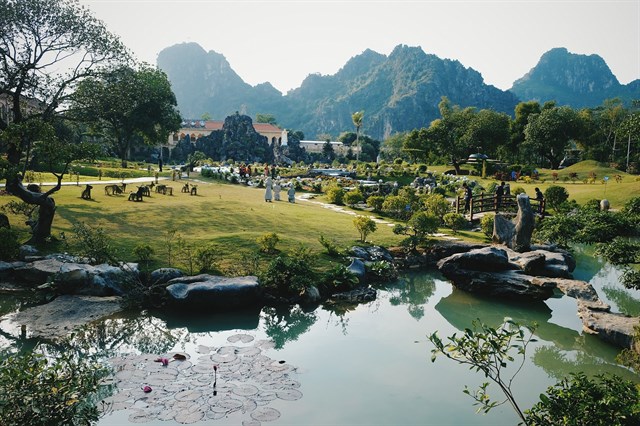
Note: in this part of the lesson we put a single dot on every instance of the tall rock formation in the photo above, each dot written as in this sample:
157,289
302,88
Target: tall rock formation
572,79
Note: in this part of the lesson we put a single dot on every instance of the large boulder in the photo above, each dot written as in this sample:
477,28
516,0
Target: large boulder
98,280
371,253
357,268
483,259
508,284
614,328
163,275
38,272
544,263
213,292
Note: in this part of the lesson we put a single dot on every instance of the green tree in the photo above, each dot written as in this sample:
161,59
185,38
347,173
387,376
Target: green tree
522,113
365,226
448,133
488,130
393,146
357,118
327,151
353,197
133,106
46,48
416,144
548,134
266,118
195,158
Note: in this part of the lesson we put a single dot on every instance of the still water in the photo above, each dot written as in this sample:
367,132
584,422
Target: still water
370,365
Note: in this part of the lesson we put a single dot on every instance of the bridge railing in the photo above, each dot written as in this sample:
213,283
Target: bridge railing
483,203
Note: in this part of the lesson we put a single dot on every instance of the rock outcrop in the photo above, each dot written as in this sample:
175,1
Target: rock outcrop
71,275
213,292
515,234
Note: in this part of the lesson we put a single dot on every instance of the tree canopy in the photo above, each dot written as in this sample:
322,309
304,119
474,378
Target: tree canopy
47,47
132,106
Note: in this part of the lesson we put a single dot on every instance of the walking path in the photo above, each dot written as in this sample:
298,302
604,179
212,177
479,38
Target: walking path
309,198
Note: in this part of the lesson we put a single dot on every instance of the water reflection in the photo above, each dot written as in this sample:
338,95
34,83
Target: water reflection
558,364
413,290
201,322
286,324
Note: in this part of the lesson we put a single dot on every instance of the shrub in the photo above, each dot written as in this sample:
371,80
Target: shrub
335,195
288,275
338,279
435,205
518,190
330,246
632,206
395,206
455,221
353,197
486,224
94,244
206,257
37,391
375,202
10,247
382,271
365,226
143,252
555,196
602,401
268,242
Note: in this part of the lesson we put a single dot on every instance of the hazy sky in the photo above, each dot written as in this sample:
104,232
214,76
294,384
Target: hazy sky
284,41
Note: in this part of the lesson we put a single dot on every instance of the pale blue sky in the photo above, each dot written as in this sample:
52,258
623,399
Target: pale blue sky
284,41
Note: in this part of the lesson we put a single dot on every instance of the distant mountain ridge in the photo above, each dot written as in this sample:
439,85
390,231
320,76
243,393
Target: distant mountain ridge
398,92
572,79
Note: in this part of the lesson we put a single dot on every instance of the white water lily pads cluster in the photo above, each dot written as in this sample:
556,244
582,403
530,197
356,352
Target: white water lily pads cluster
246,382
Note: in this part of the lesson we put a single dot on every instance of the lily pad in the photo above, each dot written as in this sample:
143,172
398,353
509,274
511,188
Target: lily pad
265,414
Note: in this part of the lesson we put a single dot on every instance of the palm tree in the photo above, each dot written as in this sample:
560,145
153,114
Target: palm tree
357,121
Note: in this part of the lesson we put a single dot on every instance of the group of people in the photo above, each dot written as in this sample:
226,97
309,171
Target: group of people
273,191
502,190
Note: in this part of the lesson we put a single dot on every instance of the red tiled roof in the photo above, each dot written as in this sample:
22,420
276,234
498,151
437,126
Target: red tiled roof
217,125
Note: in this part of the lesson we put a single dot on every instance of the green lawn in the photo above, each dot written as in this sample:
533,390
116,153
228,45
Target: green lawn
616,192
229,216
232,217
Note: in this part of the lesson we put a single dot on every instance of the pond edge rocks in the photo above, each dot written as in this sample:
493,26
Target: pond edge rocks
498,271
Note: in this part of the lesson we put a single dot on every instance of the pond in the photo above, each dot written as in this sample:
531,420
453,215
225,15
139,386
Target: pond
367,365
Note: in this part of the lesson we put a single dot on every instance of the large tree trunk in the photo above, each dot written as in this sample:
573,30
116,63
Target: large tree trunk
41,228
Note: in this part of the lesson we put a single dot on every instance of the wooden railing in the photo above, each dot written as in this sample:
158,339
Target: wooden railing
483,203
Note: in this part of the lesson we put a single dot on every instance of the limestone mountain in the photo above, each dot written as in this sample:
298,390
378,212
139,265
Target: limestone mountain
572,79
397,92
204,82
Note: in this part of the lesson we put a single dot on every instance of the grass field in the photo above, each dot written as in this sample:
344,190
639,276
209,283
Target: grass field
616,192
232,217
